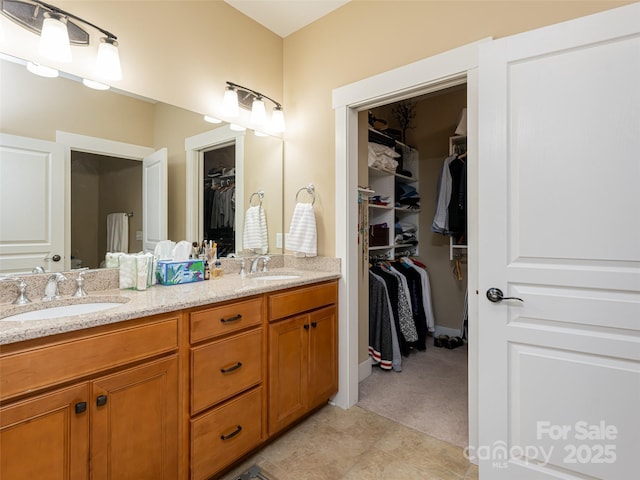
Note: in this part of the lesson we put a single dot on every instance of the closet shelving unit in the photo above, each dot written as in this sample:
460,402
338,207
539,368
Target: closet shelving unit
384,183
457,144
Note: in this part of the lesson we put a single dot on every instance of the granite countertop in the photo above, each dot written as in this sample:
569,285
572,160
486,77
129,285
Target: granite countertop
154,300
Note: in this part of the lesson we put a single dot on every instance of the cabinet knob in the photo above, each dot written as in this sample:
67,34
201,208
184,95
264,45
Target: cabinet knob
232,368
81,407
306,326
314,324
231,319
101,400
232,434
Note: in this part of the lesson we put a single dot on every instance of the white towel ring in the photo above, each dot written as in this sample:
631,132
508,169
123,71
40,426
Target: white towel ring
311,190
260,195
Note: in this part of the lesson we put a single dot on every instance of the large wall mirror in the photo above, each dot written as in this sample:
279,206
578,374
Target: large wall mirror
103,136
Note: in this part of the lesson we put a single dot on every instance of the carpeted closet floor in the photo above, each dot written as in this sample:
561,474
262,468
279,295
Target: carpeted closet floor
429,395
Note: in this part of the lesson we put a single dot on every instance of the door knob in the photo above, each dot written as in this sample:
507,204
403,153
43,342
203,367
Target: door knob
495,295
55,258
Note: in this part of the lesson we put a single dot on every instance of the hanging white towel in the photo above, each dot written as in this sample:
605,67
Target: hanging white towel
303,238
118,232
254,236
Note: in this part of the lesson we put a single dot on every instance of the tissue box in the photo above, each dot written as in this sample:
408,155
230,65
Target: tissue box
176,273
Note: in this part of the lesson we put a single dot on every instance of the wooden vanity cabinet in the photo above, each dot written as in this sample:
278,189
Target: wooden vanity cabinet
303,352
227,358
103,404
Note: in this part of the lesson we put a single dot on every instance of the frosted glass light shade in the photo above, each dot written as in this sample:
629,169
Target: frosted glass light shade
277,120
54,39
95,85
258,112
210,119
237,128
230,103
108,60
42,70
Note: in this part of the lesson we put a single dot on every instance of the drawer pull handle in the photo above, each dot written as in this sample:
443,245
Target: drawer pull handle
231,369
231,319
232,434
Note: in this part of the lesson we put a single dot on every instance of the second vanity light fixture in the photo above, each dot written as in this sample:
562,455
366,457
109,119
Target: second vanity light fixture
58,30
236,96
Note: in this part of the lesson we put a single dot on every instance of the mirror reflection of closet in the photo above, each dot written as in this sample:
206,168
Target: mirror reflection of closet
219,175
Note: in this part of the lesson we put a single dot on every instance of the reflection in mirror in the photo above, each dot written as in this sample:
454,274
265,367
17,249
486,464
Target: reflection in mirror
39,108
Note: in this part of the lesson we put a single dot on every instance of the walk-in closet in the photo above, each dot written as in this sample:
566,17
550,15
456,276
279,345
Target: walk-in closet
413,272
219,177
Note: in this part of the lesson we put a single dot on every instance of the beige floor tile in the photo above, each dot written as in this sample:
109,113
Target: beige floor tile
354,444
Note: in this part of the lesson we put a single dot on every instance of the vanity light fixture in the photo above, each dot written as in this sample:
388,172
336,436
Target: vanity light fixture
59,30
42,70
210,119
95,85
237,128
236,96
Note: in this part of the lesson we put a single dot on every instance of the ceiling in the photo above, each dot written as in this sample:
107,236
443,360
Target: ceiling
284,17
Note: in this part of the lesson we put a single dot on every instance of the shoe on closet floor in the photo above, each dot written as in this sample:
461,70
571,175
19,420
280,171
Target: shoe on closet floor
440,341
454,342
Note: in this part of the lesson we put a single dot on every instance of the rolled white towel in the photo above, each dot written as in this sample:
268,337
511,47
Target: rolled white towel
142,272
127,271
112,259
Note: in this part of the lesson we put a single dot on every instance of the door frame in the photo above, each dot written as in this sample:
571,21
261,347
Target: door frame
434,73
195,147
99,146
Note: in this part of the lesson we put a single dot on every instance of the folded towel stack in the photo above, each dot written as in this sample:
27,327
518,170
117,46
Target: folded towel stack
136,270
302,237
254,236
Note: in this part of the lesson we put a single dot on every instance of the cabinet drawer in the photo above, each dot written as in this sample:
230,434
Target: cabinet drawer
289,303
223,368
225,434
227,318
64,361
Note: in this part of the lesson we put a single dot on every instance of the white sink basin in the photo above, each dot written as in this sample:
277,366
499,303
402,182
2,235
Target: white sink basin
63,311
276,277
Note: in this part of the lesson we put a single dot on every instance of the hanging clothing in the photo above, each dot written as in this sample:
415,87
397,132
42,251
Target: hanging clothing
450,217
392,283
383,342
426,293
414,281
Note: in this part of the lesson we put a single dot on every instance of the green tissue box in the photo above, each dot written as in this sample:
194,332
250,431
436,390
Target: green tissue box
177,273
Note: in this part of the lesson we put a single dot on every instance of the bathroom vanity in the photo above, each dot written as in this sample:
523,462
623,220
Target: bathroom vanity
179,382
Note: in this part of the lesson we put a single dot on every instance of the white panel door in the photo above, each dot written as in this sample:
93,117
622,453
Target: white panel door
154,199
31,204
559,216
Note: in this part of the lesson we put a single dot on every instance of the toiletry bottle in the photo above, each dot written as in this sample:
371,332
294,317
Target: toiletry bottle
207,270
217,270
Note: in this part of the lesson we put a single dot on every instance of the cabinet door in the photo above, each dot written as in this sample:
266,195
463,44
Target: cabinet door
134,428
288,370
44,438
323,356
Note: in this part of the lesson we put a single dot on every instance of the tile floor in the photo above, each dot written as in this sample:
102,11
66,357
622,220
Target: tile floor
355,444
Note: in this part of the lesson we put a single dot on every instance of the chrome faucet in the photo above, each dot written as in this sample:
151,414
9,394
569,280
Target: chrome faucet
80,291
256,261
51,291
21,299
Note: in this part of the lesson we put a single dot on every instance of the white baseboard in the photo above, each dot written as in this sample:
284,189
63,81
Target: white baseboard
364,369
452,332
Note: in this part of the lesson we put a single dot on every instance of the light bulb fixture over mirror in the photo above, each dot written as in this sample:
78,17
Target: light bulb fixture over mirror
59,30
236,96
